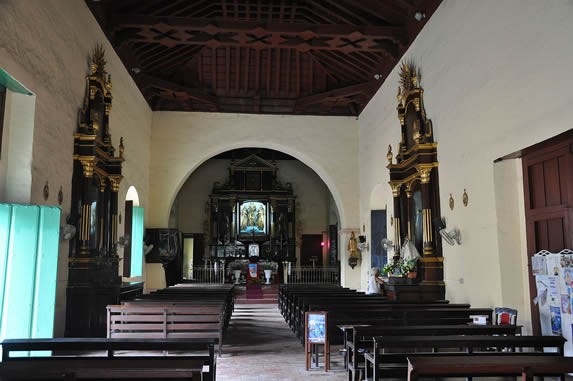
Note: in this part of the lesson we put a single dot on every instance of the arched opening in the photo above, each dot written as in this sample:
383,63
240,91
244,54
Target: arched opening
298,223
132,239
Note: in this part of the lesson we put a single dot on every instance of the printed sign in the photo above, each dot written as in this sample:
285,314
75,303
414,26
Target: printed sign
316,327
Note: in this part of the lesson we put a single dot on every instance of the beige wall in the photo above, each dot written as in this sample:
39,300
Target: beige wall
494,76
182,141
45,45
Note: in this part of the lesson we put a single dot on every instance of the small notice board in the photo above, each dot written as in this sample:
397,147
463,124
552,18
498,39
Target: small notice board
315,335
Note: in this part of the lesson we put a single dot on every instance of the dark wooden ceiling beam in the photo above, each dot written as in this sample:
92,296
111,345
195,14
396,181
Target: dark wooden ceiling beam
334,65
170,31
327,12
194,93
348,10
385,10
344,92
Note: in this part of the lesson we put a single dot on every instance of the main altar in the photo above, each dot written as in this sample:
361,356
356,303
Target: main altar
252,220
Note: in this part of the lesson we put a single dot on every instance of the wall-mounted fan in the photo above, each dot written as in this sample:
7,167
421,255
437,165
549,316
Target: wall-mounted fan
67,232
147,248
123,240
451,237
387,244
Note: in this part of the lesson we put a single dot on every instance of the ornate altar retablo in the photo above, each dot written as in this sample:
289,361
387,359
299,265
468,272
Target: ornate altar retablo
414,182
93,280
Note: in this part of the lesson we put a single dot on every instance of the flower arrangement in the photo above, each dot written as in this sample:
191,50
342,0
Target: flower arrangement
389,268
400,267
408,265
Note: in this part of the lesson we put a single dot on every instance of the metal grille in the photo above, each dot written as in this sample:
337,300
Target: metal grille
329,275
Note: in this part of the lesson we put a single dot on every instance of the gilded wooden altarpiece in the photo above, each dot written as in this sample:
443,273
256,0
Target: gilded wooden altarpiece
414,183
93,280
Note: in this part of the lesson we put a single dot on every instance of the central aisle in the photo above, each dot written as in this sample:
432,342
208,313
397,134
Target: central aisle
260,346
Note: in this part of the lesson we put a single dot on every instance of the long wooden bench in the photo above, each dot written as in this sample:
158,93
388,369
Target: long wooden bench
525,366
165,322
393,314
358,339
388,356
98,358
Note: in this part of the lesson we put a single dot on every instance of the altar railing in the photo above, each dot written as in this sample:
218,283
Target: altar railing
314,275
206,274
216,274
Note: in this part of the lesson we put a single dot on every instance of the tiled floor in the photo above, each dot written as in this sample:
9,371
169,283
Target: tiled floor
259,346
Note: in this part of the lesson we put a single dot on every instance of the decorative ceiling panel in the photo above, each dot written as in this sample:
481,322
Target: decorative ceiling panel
311,57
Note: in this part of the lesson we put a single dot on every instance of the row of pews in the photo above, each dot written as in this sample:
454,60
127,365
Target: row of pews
186,310
169,334
386,339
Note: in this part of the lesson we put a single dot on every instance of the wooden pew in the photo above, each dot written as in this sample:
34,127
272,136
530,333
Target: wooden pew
388,356
97,358
165,322
360,338
393,314
524,365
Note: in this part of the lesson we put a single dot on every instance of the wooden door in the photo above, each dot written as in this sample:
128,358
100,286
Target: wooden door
311,250
548,187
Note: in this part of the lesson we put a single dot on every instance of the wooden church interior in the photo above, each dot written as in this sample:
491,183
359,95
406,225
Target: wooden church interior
213,154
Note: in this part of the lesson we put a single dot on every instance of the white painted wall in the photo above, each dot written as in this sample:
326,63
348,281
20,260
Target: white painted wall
495,81
46,46
17,143
182,141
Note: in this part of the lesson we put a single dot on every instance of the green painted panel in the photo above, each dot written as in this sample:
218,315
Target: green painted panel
21,268
29,241
137,241
5,219
46,273
11,84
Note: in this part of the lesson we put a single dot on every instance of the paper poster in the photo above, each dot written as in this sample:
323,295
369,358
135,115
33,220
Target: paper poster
554,292
567,285
553,264
316,328
555,320
542,283
539,265
565,304
566,260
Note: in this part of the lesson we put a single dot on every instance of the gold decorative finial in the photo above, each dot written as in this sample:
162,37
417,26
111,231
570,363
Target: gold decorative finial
98,62
389,154
410,76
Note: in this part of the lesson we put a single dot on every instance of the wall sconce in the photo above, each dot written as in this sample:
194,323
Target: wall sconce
362,244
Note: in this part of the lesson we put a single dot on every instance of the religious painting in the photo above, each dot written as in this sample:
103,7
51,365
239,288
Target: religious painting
252,218
555,320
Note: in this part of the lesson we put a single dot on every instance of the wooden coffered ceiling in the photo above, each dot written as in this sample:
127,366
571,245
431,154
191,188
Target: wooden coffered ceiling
312,57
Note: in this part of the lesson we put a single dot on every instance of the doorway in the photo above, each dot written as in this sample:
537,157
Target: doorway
311,250
548,189
377,233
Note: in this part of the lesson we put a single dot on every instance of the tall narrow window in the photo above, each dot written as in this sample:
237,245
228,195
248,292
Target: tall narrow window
137,242
133,252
